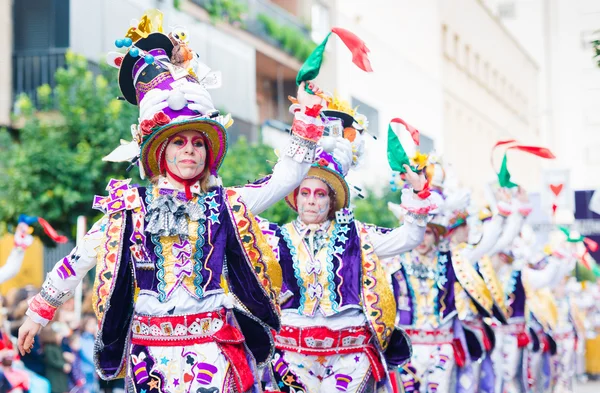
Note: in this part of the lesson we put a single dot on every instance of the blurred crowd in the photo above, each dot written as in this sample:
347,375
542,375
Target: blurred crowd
61,359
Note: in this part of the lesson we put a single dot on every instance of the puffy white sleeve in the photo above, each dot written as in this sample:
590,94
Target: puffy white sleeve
62,280
287,175
491,232
12,265
549,276
407,236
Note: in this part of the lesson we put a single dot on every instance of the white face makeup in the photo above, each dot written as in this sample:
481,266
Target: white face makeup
185,155
313,201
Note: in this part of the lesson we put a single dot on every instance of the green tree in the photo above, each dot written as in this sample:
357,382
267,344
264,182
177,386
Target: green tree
258,161
51,166
373,209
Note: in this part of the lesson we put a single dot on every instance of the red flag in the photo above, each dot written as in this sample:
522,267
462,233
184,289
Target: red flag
414,133
591,245
500,143
356,46
51,232
535,150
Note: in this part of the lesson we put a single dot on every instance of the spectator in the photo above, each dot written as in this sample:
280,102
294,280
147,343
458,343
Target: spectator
18,380
57,369
76,377
88,335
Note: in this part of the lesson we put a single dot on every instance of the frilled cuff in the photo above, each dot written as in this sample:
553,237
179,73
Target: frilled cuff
307,129
416,210
523,208
40,311
504,209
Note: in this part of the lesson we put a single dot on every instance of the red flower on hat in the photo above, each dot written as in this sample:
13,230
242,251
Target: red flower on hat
161,119
146,126
323,162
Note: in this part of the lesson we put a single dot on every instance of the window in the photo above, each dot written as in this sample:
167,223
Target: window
41,24
319,22
486,73
444,39
507,10
456,48
371,113
426,144
476,65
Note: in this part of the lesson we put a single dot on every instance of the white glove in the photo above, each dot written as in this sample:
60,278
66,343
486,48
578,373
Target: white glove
342,152
23,238
198,98
458,200
154,101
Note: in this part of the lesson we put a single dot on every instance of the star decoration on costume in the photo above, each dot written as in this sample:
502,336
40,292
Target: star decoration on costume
357,358
321,360
344,228
213,205
214,218
339,250
289,379
164,360
281,384
301,366
143,391
342,237
154,384
442,281
211,195
176,382
443,258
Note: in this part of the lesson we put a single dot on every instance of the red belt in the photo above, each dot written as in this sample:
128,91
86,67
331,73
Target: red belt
202,328
322,341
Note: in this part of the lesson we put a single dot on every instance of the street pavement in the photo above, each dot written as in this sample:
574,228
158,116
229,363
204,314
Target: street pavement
588,387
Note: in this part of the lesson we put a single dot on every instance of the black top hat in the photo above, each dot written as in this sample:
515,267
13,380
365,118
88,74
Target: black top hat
153,41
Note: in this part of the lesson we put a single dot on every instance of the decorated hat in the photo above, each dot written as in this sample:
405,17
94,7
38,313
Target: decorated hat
330,171
165,78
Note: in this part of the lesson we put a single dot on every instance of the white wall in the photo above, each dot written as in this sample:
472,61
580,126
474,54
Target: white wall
404,46
557,32
6,32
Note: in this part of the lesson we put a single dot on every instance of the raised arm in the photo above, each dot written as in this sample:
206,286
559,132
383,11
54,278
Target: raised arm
491,231
410,234
60,284
294,164
15,259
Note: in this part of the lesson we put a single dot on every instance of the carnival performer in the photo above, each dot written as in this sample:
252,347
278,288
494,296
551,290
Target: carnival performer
186,287
338,310
426,283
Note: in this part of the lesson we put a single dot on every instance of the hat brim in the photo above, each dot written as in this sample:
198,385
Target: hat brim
347,120
214,131
440,228
333,179
153,41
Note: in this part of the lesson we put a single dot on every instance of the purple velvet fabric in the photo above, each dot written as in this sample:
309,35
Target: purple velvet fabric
518,298
222,245
348,266
445,300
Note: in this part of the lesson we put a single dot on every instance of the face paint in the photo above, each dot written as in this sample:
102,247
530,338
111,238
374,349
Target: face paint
313,201
185,155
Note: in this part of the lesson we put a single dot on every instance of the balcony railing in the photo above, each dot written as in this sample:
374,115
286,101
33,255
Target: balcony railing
260,17
34,68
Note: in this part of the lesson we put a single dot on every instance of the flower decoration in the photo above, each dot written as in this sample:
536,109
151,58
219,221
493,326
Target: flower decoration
148,126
